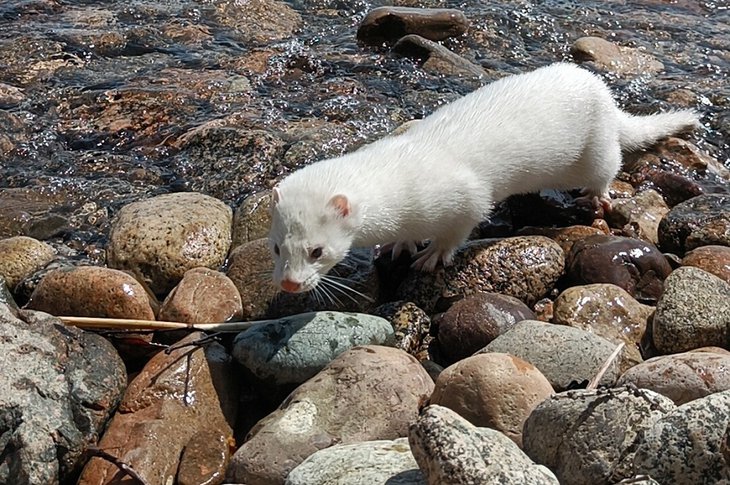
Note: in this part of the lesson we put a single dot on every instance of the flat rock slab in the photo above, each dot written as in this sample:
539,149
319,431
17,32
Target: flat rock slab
388,24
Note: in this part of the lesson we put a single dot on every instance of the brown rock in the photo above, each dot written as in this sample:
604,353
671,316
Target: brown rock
204,459
639,216
258,21
91,291
21,208
202,296
470,324
10,96
22,256
251,220
701,221
174,398
713,259
614,58
159,239
682,377
564,236
411,325
494,390
634,265
388,24
690,156
366,393
249,268
607,311
435,58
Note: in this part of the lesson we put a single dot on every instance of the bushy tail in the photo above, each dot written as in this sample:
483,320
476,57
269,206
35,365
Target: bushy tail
637,132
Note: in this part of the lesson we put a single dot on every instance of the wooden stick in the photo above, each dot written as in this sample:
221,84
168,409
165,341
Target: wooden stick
140,325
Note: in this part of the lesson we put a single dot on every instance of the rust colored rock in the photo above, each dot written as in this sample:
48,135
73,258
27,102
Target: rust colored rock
159,239
470,324
435,58
204,459
21,256
174,398
690,156
91,291
388,24
202,296
494,390
639,216
614,58
634,265
249,267
564,236
713,259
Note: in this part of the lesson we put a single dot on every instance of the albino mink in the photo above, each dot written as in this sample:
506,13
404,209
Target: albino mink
556,127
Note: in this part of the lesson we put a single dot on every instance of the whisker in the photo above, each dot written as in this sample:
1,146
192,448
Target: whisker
344,289
328,290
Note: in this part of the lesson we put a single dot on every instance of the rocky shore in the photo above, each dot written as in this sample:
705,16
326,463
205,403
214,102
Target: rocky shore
138,146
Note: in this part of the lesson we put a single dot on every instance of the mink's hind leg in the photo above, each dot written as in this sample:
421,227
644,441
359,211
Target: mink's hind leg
600,163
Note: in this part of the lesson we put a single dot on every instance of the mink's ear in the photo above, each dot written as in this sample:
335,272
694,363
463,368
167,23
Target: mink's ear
275,198
340,204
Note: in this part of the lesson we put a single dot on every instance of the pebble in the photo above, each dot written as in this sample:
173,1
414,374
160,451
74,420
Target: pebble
203,295
632,264
174,398
614,58
365,463
607,311
59,385
492,390
159,239
682,377
22,256
450,450
524,267
713,259
693,312
293,349
583,435
639,216
471,323
388,24
367,393
700,221
92,291
436,59
567,356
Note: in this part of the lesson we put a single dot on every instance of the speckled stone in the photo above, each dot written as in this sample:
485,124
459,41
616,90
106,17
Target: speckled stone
614,58
700,221
411,327
713,259
21,256
693,312
252,219
203,295
450,450
388,24
639,216
160,238
493,390
564,236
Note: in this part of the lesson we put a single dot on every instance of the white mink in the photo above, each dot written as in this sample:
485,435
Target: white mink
556,127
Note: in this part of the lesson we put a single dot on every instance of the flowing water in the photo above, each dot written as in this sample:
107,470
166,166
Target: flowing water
103,103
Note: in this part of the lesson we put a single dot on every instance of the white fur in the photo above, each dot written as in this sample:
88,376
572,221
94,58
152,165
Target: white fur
556,127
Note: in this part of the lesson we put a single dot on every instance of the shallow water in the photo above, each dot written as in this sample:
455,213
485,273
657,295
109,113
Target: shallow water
121,100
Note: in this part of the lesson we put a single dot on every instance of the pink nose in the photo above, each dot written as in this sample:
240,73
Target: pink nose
290,286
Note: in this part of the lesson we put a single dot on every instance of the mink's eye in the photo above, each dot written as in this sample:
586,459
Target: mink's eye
276,249
316,253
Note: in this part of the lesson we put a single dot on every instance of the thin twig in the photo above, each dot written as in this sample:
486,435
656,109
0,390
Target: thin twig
138,325
124,467
599,375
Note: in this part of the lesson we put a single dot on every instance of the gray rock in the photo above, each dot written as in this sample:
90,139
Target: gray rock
688,445
58,387
293,349
693,312
452,451
699,221
583,435
366,463
565,355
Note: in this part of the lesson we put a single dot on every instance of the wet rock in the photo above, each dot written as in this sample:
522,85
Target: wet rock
614,58
249,267
681,377
525,267
690,156
701,221
607,311
693,312
203,295
92,291
411,327
293,349
20,209
713,259
383,461
175,397
470,324
493,390
159,239
10,96
204,459
252,219
583,435
59,387
367,393
257,21
634,265
435,58
639,216
451,450
22,256
687,445
567,356
388,24
564,236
